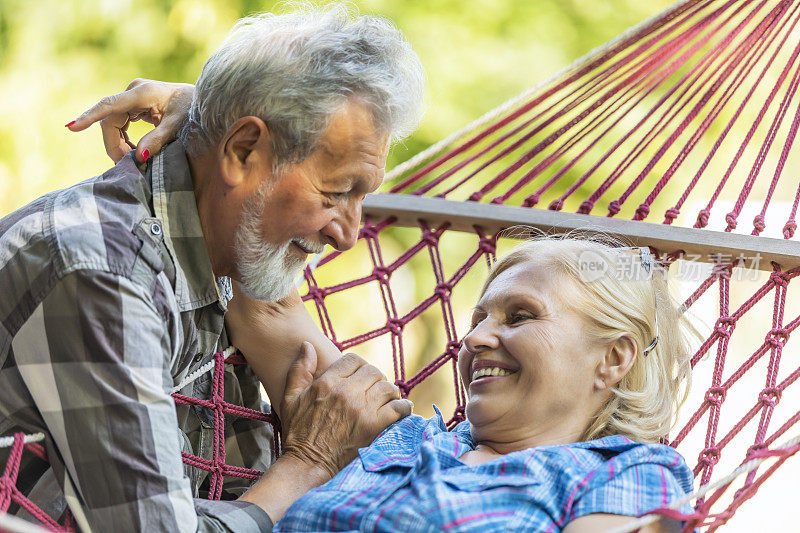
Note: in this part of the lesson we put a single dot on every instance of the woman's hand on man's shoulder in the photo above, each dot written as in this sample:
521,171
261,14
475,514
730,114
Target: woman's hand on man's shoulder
164,105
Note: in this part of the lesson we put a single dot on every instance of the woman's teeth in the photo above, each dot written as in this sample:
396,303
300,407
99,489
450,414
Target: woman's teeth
490,371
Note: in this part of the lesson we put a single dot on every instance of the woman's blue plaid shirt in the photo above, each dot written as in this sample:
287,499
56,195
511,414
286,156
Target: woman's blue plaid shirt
410,479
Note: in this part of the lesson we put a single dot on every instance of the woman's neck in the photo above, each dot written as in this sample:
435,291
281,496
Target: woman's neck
481,454
487,449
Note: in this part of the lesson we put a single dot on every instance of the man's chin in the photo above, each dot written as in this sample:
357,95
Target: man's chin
268,282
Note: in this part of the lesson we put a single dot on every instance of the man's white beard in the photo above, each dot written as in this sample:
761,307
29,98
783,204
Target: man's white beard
266,271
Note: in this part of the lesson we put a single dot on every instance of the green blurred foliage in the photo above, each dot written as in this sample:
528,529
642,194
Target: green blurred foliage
58,58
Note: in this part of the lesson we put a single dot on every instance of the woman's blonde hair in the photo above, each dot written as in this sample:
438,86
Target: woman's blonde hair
620,296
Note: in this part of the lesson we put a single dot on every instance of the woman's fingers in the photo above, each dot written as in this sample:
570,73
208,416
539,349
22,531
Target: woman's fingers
163,133
165,105
114,137
124,104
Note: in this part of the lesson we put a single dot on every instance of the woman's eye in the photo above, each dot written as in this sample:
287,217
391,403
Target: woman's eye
337,195
519,317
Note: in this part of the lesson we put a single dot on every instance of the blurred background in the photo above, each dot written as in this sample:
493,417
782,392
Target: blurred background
58,58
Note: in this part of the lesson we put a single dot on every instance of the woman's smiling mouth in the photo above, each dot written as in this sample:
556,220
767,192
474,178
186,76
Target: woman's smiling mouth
490,372
485,371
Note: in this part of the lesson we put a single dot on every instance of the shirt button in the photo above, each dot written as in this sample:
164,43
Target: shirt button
155,228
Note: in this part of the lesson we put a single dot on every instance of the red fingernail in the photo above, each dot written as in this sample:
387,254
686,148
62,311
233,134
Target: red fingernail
70,124
145,155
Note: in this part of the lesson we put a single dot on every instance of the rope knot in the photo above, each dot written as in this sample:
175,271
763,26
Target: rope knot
443,289
702,218
381,273
779,278
453,347
531,200
395,325
430,238
497,200
724,326
614,207
487,246
369,231
218,469
769,396
730,218
474,197
788,229
556,205
709,456
777,337
756,450
758,223
715,396
585,207
671,214
641,212
317,293
403,386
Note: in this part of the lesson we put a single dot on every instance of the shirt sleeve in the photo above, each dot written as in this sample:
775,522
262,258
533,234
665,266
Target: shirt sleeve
633,486
95,355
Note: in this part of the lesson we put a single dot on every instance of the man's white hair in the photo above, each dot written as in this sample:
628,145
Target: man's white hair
294,70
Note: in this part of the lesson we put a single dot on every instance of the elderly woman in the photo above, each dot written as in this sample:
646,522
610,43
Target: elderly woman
574,373
572,379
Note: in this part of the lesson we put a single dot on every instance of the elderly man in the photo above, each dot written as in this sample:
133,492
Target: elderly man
117,288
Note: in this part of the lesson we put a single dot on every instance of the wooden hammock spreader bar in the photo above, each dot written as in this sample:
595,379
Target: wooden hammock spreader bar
698,244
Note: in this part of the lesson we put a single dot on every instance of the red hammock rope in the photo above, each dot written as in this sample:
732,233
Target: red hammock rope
681,95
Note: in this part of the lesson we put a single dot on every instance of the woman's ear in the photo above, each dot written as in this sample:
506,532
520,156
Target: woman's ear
617,361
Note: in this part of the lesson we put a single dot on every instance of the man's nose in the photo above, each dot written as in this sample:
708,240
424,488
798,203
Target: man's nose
342,231
482,337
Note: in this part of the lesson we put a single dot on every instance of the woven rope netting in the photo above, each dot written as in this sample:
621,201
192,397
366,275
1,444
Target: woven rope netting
687,119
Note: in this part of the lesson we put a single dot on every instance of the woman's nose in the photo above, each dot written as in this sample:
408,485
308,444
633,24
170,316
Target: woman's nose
484,336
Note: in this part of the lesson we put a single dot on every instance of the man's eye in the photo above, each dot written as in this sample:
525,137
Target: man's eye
337,195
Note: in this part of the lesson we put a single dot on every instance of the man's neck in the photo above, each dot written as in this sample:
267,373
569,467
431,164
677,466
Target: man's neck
215,217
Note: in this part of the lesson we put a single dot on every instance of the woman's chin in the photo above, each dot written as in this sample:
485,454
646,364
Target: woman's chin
481,413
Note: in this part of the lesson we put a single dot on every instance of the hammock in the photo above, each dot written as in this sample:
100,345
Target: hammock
684,119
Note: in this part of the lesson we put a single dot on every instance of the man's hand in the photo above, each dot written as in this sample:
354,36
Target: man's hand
327,419
165,105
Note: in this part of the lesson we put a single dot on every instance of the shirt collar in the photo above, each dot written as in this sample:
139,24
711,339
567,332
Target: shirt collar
175,205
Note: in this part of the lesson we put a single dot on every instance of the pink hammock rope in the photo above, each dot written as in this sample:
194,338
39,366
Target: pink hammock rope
684,117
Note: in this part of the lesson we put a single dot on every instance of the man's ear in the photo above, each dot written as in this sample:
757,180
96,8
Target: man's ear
615,364
245,153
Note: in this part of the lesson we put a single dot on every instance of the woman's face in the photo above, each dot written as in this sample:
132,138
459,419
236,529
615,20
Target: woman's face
529,366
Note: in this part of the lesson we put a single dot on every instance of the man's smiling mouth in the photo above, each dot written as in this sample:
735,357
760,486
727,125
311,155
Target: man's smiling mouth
306,248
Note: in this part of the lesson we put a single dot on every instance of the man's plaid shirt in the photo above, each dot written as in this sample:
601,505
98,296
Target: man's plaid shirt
108,302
